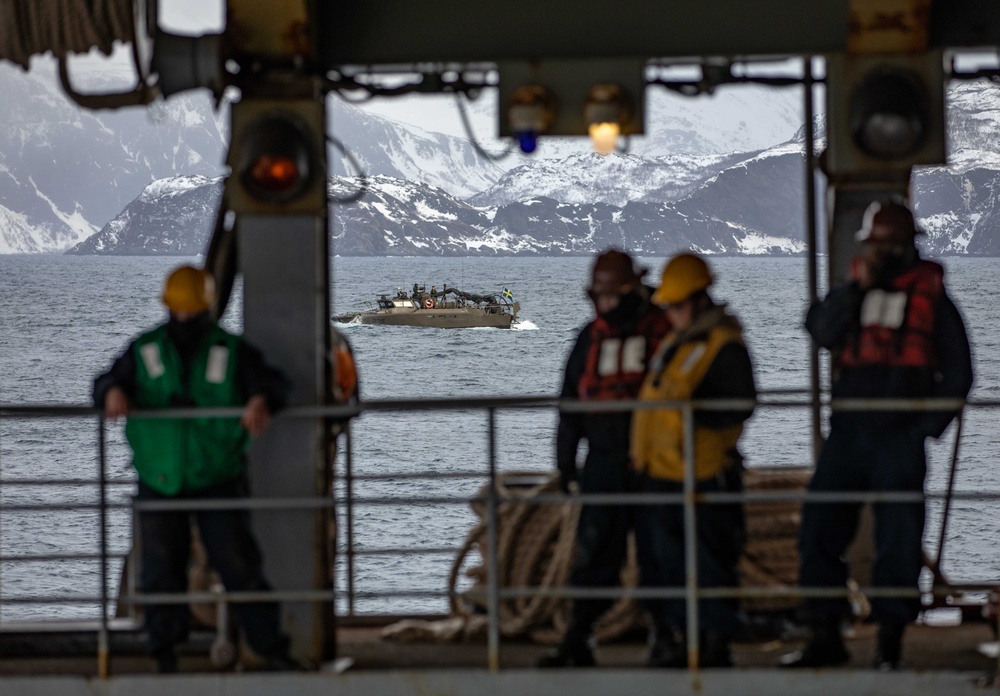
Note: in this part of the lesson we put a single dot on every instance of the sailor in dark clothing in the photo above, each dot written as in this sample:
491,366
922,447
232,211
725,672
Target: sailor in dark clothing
191,362
608,362
893,333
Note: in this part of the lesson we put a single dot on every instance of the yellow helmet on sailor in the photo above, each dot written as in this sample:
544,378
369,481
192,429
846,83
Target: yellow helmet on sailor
189,289
683,276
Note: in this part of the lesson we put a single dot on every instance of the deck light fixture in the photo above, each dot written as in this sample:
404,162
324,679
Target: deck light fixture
606,108
531,113
885,114
889,113
275,163
277,157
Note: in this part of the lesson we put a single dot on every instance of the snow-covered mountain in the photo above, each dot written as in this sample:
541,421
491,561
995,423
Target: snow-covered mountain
592,178
170,217
751,207
65,172
388,148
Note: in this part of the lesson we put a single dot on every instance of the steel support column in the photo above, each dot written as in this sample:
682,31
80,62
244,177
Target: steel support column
285,267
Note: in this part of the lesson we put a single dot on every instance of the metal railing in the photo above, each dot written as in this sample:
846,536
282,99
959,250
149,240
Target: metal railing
689,498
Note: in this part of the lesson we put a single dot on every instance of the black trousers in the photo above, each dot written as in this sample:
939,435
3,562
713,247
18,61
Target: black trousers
601,537
720,531
232,551
859,458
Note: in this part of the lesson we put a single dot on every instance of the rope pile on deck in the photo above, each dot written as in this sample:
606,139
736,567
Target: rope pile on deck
535,548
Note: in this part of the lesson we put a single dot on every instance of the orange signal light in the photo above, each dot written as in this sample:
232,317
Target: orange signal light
277,156
275,173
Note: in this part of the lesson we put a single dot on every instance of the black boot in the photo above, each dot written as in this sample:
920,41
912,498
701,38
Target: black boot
166,661
824,649
574,651
715,651
890,646
666,650
569,655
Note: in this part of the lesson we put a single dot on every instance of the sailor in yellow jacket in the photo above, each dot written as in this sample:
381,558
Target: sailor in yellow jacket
703,358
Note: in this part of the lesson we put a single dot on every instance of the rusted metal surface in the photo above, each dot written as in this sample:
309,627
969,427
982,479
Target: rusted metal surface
270,30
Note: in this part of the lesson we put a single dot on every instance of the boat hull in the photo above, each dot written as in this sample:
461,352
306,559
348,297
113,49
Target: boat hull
438,318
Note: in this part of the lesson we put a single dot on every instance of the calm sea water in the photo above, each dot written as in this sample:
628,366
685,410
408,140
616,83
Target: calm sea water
62,320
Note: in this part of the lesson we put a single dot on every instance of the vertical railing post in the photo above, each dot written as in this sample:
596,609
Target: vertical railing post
492,562
349,515
1,516
103,654
812,250
690,539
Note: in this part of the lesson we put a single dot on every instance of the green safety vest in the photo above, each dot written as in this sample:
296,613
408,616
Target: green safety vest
174,455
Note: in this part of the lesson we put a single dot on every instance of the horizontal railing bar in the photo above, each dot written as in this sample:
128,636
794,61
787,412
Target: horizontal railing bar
383,551
531,402
48,507
506,593
761,497
311,503
187,505
50,411
356,477
681,592
626,499
390,551
62,557
64,482
404,476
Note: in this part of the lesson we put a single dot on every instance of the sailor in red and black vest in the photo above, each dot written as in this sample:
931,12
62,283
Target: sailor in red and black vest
607,363
892,332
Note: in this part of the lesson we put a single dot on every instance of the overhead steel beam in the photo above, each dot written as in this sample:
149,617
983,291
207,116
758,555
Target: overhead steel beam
404,32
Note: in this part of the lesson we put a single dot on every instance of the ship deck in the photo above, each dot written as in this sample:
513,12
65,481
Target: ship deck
938,660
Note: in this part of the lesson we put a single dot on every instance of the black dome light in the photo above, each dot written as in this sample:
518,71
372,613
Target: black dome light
890,113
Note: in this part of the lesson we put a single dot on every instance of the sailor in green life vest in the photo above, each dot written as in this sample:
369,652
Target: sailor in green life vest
191,362
703,358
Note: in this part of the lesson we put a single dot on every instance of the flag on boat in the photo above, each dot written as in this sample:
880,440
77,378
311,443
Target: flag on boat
508,295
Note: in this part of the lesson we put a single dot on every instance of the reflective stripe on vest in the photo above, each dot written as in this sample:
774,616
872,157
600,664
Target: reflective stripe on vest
616,361
171,455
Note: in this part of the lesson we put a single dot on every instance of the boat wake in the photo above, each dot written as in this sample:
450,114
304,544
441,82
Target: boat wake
523,325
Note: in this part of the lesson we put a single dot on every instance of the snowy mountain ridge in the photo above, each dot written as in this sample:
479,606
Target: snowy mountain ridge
65,173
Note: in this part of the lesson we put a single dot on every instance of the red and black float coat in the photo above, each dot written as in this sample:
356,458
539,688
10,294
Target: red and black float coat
896,324
903,339
617,357
607,363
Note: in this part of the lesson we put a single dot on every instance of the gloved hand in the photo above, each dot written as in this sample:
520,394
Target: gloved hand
567,475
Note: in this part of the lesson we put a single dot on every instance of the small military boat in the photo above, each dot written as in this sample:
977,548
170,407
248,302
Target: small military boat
449,308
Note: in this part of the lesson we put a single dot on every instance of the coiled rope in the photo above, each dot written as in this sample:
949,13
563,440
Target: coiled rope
32,27
535,548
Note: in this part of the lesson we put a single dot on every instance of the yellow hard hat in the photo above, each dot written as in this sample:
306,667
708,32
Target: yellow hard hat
189,289
683,276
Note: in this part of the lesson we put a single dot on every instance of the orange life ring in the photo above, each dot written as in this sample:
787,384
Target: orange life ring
429,303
